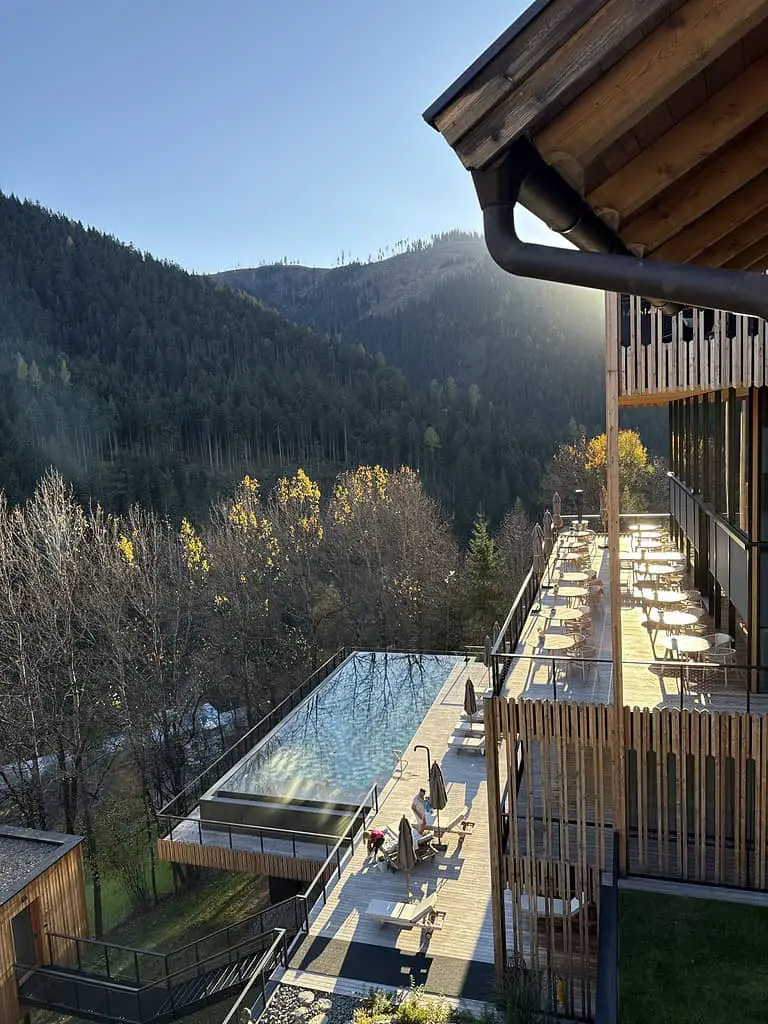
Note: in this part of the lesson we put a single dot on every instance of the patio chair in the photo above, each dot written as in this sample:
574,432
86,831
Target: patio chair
425,850
566,910
424,914
471,727
458,823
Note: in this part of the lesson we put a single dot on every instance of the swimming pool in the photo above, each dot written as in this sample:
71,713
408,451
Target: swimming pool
340,742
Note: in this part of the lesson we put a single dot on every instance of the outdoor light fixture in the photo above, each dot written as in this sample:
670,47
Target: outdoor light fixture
579,501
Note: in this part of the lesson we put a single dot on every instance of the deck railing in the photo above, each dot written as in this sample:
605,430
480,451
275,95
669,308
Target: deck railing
509,633
690,678
696,350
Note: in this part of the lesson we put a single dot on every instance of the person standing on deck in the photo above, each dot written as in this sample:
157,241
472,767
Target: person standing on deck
419,808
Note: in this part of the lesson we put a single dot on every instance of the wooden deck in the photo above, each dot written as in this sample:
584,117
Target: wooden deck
531,675
460,876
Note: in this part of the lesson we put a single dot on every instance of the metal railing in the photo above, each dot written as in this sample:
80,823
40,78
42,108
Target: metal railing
189,797
206,980
509,633
258,990
246,837
691,678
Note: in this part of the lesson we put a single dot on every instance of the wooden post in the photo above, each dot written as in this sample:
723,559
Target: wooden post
614,493
491,707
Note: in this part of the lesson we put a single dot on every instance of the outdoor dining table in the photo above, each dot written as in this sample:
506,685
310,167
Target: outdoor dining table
557,642
630,556
563,614
672,557
673,618
656,569
684,644
648,543
659,597
571,591
574,577
644,528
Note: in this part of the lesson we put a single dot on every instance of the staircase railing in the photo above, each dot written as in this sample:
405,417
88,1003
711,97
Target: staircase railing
258,990
206,980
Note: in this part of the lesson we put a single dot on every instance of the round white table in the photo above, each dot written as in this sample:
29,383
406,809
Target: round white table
644,528
557,642
659,597
570,591
574,577
684,644
680,620
656,569
629,556
675,558
566,614
648,543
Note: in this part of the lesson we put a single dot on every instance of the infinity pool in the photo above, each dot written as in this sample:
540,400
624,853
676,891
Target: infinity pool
341,741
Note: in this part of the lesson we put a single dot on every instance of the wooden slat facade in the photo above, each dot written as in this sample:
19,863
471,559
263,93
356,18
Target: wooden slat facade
697,791
57,899
224,859
663,358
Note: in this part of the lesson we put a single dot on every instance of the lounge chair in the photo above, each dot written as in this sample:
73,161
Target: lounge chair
470,727
423,914
469,744
458,824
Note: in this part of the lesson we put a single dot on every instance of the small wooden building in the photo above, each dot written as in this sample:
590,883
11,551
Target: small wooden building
42,890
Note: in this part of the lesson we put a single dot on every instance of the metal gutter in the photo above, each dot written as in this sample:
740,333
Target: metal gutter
602,260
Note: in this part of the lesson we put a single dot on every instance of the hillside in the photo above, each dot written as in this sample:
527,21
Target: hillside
144,383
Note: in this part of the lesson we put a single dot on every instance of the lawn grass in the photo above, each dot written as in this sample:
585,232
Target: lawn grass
691,961
115,901
219,899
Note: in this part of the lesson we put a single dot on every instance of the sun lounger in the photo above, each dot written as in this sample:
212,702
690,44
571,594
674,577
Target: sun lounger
457,823
564,909
468,744
424,914
471,728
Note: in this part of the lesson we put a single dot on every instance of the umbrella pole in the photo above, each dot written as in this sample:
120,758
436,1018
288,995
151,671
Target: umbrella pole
407,885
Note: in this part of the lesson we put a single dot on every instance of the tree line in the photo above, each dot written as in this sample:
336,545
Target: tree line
120,635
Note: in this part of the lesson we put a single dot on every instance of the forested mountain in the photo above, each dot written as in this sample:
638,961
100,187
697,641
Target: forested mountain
143,383
528,355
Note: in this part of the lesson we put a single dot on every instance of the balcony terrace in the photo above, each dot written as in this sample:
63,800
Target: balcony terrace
529,666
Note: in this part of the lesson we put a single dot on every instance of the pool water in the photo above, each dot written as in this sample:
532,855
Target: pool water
342,740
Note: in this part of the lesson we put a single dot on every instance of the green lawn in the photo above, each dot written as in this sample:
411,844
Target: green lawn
691,961
220,899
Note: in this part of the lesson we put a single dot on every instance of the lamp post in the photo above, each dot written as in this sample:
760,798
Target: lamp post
579,502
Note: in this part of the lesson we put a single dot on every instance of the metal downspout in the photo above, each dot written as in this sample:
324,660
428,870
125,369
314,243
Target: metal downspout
670,284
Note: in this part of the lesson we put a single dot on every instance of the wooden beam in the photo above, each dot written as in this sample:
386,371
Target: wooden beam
680,48
492,708
701,193
706,130
753,258
519,59
731,213
563,74
614,569
754,230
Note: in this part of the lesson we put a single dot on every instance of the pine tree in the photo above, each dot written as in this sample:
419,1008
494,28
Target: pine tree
484,590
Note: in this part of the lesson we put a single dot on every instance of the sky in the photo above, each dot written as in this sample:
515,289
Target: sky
224,134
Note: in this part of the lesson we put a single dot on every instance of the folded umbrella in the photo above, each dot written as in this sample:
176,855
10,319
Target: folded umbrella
437,794
470,698
406,852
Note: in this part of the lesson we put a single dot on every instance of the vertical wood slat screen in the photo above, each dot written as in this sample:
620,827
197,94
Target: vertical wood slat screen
671,356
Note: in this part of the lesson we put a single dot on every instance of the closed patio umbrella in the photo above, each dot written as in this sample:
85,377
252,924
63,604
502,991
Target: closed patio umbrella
470,698
557,509
406,854
437,795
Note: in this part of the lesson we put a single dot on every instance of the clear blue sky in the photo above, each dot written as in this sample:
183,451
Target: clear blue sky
225,133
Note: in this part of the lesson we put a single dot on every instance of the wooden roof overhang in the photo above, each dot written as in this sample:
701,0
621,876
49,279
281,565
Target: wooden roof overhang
655,112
